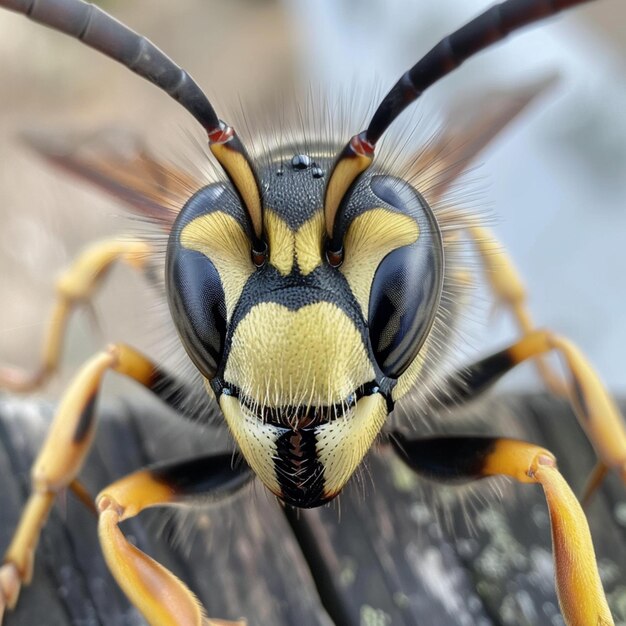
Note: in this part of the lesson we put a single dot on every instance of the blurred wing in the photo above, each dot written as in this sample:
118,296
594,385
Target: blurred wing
119,163
467,130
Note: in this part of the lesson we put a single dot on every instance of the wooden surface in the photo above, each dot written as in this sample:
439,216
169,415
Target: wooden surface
377,556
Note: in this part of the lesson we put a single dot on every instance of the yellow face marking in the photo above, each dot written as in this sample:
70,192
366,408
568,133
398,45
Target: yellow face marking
309,241
313,356
223,241
281,242
342,444
256,440
285,245
370,238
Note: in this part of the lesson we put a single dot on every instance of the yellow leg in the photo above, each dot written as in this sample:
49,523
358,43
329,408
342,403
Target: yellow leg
75,286
579,589
578,584
61,458
162,598
595,408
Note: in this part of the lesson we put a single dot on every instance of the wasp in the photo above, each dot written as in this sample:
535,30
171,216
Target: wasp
310,290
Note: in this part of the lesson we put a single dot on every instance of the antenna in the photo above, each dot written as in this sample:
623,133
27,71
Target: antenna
97,29
488,28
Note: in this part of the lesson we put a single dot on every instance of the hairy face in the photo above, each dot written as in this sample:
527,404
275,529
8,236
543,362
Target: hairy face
305,358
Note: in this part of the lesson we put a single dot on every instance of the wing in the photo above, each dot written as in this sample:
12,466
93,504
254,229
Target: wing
119,163
467,130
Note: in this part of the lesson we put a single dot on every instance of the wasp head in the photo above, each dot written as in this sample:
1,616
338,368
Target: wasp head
305,356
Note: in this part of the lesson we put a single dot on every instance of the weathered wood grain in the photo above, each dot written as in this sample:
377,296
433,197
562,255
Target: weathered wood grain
377,556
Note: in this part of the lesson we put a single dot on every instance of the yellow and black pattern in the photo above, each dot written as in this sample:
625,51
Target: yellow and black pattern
309,292
302,356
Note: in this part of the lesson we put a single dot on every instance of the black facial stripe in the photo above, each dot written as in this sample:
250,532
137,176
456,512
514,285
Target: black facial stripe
323,284
299,472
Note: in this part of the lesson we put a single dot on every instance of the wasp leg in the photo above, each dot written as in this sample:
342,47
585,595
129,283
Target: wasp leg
75,286
446,459
161,597
595,409
62,455
509,292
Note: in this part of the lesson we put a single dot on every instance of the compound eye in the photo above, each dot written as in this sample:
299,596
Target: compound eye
193,283
406,288
198,308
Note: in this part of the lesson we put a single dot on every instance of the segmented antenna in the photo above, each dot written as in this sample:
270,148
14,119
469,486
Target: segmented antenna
488,28
97,29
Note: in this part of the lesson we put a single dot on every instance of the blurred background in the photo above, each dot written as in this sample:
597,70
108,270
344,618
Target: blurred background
554,186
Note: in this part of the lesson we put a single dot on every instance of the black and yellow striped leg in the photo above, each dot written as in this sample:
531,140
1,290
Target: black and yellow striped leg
580,592
162,598
594,407
75,286
62,455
